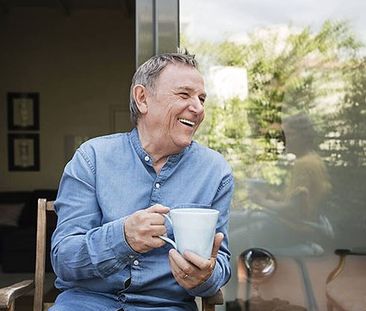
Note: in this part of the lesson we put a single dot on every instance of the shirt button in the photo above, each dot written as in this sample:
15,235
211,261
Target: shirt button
136,262
147,158
157,185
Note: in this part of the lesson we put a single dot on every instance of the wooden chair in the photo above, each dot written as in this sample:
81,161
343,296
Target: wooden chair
346,288
9,294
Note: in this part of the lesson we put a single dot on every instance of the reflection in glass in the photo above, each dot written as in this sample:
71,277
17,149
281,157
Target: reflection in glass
292,214
255,266
297,140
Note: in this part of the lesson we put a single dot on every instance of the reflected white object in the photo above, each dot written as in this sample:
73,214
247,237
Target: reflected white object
290,157
227,82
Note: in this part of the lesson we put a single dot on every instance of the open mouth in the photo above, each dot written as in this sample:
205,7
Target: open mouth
187,122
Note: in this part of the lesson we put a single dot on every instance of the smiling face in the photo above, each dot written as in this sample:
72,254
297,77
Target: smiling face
173,110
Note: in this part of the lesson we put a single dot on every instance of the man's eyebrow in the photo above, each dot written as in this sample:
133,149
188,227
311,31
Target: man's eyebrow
189,89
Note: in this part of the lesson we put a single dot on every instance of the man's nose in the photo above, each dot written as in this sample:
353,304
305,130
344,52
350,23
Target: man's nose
196,106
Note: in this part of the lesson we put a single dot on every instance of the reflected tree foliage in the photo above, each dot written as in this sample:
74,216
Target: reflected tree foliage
345,143
289,70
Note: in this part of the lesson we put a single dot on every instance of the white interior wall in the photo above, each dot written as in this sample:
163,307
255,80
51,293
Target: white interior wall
81,65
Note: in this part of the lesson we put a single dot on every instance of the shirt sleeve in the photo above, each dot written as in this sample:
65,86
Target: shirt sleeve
222,272
83,247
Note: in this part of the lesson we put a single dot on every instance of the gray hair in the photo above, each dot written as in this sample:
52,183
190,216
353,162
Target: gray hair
148,73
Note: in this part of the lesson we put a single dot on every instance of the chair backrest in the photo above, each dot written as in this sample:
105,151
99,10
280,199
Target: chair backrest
44,206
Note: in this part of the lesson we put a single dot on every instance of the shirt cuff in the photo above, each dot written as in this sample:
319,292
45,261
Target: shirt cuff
210,286
117,242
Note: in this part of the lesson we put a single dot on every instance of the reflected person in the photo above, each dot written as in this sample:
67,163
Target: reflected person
296,208
106,250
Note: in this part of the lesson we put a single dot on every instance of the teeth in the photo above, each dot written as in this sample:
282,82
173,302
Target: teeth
187,122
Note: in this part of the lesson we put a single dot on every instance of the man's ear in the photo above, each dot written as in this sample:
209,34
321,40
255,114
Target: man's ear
140,95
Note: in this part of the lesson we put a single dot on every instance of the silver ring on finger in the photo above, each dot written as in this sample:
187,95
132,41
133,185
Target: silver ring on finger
186,276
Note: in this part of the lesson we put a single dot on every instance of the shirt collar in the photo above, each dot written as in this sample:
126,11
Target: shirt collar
136,143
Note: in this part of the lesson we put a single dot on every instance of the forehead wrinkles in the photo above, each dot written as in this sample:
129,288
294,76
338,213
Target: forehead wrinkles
179,75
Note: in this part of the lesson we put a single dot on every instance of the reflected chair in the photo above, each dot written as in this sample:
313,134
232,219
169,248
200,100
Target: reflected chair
346,290
9,294
301,251
257,265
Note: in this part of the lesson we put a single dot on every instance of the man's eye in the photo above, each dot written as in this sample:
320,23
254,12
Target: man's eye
184,95
202,99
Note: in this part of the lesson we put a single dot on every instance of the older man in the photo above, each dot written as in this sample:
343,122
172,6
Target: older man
106,250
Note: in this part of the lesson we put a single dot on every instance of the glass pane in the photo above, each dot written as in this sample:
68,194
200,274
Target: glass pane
286,84
144,31
167,25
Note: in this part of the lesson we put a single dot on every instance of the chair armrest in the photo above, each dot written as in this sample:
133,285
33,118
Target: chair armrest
342,253
209,303
217,299
358,251
10,293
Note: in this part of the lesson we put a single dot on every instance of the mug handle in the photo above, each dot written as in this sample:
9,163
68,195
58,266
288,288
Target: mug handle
166,239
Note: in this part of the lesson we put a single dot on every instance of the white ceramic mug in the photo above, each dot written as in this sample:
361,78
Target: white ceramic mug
194,230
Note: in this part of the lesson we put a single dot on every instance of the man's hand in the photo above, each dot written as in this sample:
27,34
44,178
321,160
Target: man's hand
191,270
142,228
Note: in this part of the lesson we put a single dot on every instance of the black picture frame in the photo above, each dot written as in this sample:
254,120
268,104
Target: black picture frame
23,111
23,152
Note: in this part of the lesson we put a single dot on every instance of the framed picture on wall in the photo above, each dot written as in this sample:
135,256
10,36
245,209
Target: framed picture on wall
23,111
23,152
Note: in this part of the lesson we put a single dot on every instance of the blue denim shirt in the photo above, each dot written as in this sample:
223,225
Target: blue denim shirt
111,177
